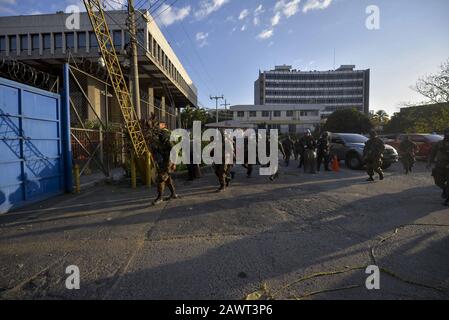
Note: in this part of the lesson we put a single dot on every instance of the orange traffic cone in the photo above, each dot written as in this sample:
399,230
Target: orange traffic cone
335,164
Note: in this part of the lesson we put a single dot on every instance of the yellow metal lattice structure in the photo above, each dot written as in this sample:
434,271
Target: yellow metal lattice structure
107,49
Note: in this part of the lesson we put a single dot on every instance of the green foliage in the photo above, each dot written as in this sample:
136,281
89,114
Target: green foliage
380,118
189,115
420,119
348,121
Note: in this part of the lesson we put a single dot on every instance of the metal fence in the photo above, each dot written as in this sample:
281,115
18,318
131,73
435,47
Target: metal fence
99,139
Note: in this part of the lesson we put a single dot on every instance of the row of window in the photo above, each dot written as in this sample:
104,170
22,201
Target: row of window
21,43
315,76
278,114
314,93
315,85
335,108
296,101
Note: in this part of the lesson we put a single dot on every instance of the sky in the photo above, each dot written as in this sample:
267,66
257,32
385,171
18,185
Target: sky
224,43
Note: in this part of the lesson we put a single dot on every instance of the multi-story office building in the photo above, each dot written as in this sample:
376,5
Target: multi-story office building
336,89
43,41
286,118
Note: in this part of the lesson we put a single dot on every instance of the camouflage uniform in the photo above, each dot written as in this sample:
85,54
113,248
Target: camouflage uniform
281,149
297,148
249,167
440,153
323,154
407,150
308,158
223,169
373,154
288,146
160,147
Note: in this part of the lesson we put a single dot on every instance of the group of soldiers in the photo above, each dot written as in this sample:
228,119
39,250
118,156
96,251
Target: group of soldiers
310,153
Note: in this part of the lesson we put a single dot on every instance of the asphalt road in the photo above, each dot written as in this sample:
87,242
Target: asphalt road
300,237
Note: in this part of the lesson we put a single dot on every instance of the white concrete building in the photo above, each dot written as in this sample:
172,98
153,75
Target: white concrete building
44,42
343,88
286,118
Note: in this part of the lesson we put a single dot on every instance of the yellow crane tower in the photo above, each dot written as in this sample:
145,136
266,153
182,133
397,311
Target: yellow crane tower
112,64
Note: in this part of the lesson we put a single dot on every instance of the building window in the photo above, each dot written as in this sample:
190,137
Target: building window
253,114
240,114
35,43
2,44
24,42
117,39
265,114
277,114
12,44
81,39
93,40
290,113
58,40
291,128
46,41
127,39
70,40
154,48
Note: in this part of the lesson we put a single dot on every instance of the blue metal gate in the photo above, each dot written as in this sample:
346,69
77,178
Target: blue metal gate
31,161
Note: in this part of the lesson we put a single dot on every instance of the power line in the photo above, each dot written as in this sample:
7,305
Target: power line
136,39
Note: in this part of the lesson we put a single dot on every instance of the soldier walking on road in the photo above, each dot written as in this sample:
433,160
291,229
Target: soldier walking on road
223,169
288,146
440,153
297,148
372,155
309,154
323,153
158,140
407,151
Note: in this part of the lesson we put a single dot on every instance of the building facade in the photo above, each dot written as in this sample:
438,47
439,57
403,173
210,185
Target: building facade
342,88
44,42
286,118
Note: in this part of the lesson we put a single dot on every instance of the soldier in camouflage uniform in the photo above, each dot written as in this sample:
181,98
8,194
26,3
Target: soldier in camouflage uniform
372,155
308,157
287,145
323,153
440,153
297,148
407,151
158,141
282,151
223,169
248,166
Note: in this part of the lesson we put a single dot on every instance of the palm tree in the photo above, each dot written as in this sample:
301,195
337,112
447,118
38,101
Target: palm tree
380,117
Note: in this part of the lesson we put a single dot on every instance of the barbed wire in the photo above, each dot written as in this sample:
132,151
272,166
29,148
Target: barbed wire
21,72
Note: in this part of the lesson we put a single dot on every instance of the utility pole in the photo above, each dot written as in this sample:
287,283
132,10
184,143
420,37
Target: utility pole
134,74
216,98
225,105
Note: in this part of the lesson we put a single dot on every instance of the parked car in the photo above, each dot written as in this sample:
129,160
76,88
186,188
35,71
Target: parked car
349,147
425,142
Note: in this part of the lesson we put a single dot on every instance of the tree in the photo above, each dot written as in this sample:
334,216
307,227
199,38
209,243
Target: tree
348,121
189,115
380,118
420,119
435,87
